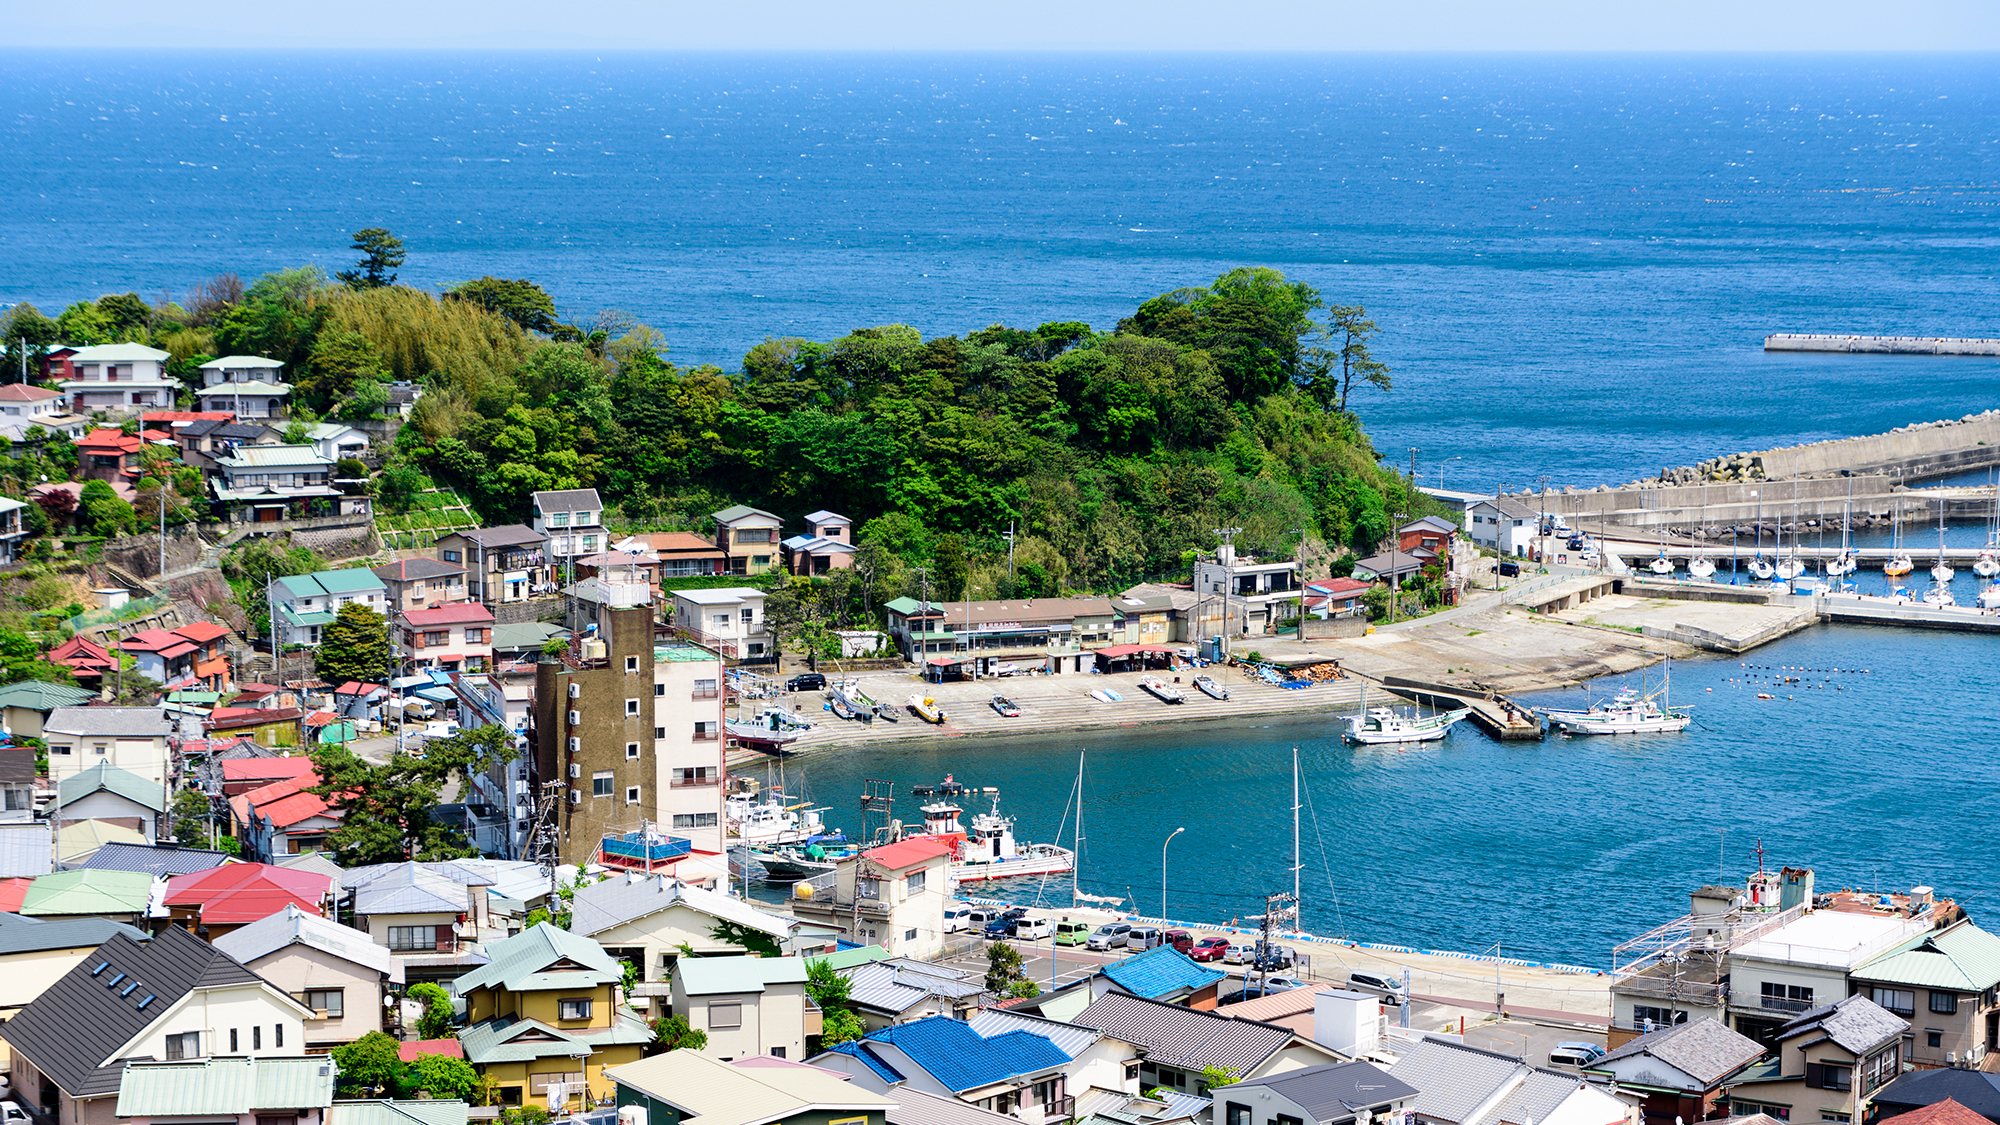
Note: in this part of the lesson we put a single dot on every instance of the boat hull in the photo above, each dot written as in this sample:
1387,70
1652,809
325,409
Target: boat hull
1582,725
1013,868
1420,730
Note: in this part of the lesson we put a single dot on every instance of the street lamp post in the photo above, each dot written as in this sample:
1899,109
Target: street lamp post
1441,465
1163,872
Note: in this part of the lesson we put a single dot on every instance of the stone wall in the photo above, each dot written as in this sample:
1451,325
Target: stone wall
1333,628
139,555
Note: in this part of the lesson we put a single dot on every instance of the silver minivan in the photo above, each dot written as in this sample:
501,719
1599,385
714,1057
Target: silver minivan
1143,937
1111,935
1391,991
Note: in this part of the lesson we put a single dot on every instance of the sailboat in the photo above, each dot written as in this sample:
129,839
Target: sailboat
1791,566
1844,562
1899,562
1077,897
1702,568
1941,573
1987,566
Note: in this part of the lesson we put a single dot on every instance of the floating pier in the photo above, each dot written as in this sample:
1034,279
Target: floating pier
1879,345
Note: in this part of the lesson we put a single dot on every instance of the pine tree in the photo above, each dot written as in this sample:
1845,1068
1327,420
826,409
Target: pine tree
354,646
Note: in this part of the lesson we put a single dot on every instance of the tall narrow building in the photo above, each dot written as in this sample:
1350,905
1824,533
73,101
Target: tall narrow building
629,723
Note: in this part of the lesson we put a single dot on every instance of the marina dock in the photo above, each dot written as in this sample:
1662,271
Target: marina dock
1879,345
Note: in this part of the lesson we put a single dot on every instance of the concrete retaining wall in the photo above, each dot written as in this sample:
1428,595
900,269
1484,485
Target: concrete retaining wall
1333,628
1930,451
1879,345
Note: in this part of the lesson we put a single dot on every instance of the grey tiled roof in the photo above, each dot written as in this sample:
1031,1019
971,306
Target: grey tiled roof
1703,1050
1857,1024
126,722
626,898
897,985
21,934
159,860
1335,1091
569,500
78,1022
1451,1079
506,535
17,764
1535,1099
1184,1037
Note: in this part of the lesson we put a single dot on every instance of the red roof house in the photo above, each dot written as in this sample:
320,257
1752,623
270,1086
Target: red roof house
457,637
241,775
417,1048
908,853
237,894
85,658
282,818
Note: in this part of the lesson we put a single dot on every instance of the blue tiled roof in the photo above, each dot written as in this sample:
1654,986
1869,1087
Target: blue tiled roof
1159,973
854,1047
956,1056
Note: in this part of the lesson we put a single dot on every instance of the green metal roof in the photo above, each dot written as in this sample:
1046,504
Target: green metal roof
682,654
88,892
38,696
384,1111
1963,959
709,976
351,581
518,963
519,1040
225,1085
318,617
106,776
848,958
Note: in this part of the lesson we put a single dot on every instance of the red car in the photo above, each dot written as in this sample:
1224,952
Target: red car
1208,949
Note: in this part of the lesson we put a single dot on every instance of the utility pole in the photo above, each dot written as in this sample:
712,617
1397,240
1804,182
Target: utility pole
1009,537
1228,560
542,836
1277,908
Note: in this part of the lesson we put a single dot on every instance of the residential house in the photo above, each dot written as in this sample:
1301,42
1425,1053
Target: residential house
1947,1112
1947,984
26,705
248,386
158,860
360,702
119,379
110,455
1174,1045
1804,965
729,617
826,545
188,656
25,400
653,920
1045,634
1682,1070
1336,597
36,952
1096,1060
1826,1064
1349,1093
307,603
428,919
1975,1090
1014,1071
1428,534
573,522
122,896
1162,973
174,998
70,427
273,483
1246,598
1503,525
336,442
227,1090
456,638
746,1005
205,439
888,990
241,775
330,968
282,819
892,896
267,726
1460,1085
503,564
220,900
17,784
105,792
421,583
749,536
132,738
543,1012
86,659
639,718
12,530
679,1085
682,554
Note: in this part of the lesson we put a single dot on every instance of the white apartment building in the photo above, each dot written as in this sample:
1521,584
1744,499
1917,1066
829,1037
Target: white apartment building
1805,964
730,616
1258,595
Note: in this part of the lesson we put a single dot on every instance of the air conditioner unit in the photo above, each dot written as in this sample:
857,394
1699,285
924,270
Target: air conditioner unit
576,796
576,718
576,745
575,769
575,690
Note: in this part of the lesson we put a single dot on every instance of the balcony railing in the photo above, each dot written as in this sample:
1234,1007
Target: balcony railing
695,782
710,694
1060,1109
1781,1004
705,736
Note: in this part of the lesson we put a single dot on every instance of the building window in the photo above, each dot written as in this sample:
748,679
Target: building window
725,1013
575,1009
1821,1076
909,935
1788,997
331,1000
703,689
704,732
600,783
868,888
1829,1115
694,775
631,750
631,664
1237,1114
409,939
631,708
749,615
1657,1017
1933,1037
232,1041
779,1053
756,648
62,749
257,1037
476,636
694,820
659,689
913,883
99,747
659,732
1944,1003
185,1045
1903,1002
631,794
450,556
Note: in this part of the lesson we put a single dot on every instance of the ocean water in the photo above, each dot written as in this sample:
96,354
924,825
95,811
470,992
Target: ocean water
1876,768
1572,259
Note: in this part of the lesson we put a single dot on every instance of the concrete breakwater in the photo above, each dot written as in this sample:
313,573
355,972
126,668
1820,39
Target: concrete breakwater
1879,345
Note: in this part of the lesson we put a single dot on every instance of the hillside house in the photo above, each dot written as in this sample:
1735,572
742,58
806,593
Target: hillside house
307,603
503,564
188,656
26,705
1243,597
746,1005
826,544
682,554
330,968
749,536
219,900
1828,1061
273,483
119,379
105,792
650,920
421,583
759,1090
248,386
730,617
543,1011
130,738
1947,984
573,522
456,638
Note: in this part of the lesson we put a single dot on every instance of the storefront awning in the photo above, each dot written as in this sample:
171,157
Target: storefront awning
945,661
1117,651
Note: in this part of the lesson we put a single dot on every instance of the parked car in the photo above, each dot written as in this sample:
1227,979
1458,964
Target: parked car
977,917
806,681
1208,949
1575,543
1143,938
1510,570
1237,955
954,920
1391,991
1003,926
1033,929
1111,935
1278,982
1575,1054
1072,933
13,1114
1271,957
1179,939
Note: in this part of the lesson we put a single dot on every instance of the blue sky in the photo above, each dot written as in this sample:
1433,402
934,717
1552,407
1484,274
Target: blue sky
1167,25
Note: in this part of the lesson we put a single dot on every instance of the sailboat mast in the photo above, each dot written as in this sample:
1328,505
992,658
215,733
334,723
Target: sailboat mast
1295,830
1076,868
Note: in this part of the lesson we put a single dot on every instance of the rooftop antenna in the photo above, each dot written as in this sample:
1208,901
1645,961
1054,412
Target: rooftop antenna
1760,855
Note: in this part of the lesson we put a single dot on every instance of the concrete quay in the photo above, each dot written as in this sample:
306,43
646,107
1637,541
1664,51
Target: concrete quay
1879,345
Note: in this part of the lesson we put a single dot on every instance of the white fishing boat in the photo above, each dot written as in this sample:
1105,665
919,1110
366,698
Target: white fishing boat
1006,707
1211,687
1161,690
1628,712
1377,725
991,852
926,708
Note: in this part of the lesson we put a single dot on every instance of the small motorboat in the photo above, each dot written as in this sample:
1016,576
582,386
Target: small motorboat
1161,690
887,713
926,708
1105,695
1006,707
1209,686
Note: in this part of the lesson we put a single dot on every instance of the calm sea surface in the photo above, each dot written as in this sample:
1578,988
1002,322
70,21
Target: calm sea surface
1573,262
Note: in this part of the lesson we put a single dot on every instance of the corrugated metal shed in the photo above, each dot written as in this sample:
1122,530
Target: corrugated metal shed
230,1085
